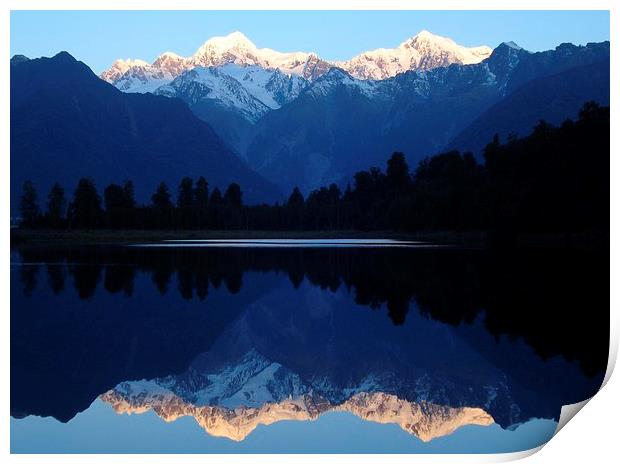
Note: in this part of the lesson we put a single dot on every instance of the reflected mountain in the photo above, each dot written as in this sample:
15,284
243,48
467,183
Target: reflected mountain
425,421
240,337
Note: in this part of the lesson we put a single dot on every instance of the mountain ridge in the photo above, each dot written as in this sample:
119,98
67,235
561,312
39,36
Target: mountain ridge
423,51
425,421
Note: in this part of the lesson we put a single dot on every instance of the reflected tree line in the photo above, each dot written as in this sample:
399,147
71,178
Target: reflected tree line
555,180
556,301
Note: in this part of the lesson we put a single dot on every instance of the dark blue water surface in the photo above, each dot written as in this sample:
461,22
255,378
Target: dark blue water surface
284,346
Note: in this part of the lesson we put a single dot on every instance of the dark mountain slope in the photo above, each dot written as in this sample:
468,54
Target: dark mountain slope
564,57
551,98
67,123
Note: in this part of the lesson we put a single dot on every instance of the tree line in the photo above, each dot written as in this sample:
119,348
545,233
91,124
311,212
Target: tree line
554,180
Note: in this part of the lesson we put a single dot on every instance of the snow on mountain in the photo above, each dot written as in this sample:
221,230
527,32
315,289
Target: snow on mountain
142,79
120,67
233,400
250,90
422,52
171,63
238,49
338,77
235,48
423,420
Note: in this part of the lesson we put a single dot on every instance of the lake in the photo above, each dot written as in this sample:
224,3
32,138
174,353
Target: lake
300,346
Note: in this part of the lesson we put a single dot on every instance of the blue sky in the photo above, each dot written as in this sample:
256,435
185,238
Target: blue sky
100,37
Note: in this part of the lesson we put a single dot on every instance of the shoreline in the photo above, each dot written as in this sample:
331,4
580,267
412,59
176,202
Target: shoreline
110,237
469,239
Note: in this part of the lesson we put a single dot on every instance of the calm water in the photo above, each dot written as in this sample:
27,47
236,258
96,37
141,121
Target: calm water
346,346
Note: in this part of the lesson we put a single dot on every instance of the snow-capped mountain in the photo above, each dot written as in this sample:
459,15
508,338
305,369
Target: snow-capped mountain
422,52
120,67
230,82
425,421
250,90
233,401
336,77
142,78
238,49
235,48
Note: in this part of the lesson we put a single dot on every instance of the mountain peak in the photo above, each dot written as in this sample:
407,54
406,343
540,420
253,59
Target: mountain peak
128,63
422,52
512,45
19,59
64,56
120,67
426,36
505,49
234,40
169,55
336,73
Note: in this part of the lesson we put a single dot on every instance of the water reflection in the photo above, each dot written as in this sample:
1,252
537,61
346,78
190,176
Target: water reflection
241,336
425,421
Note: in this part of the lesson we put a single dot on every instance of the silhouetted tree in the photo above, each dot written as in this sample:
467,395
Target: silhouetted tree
85,279
215,205
56,277
128,190
161,278
185,204
216,197
29,206
295,209
202,284
185,196
163,209
185,280
56,206
233,195
119,278
201,201
296,199
397,174
231,213
28,276
129,210
446,191
115,204
85,208
333,205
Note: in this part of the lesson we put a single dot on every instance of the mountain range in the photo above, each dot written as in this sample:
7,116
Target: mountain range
296,400
424,51
341,124
272,120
